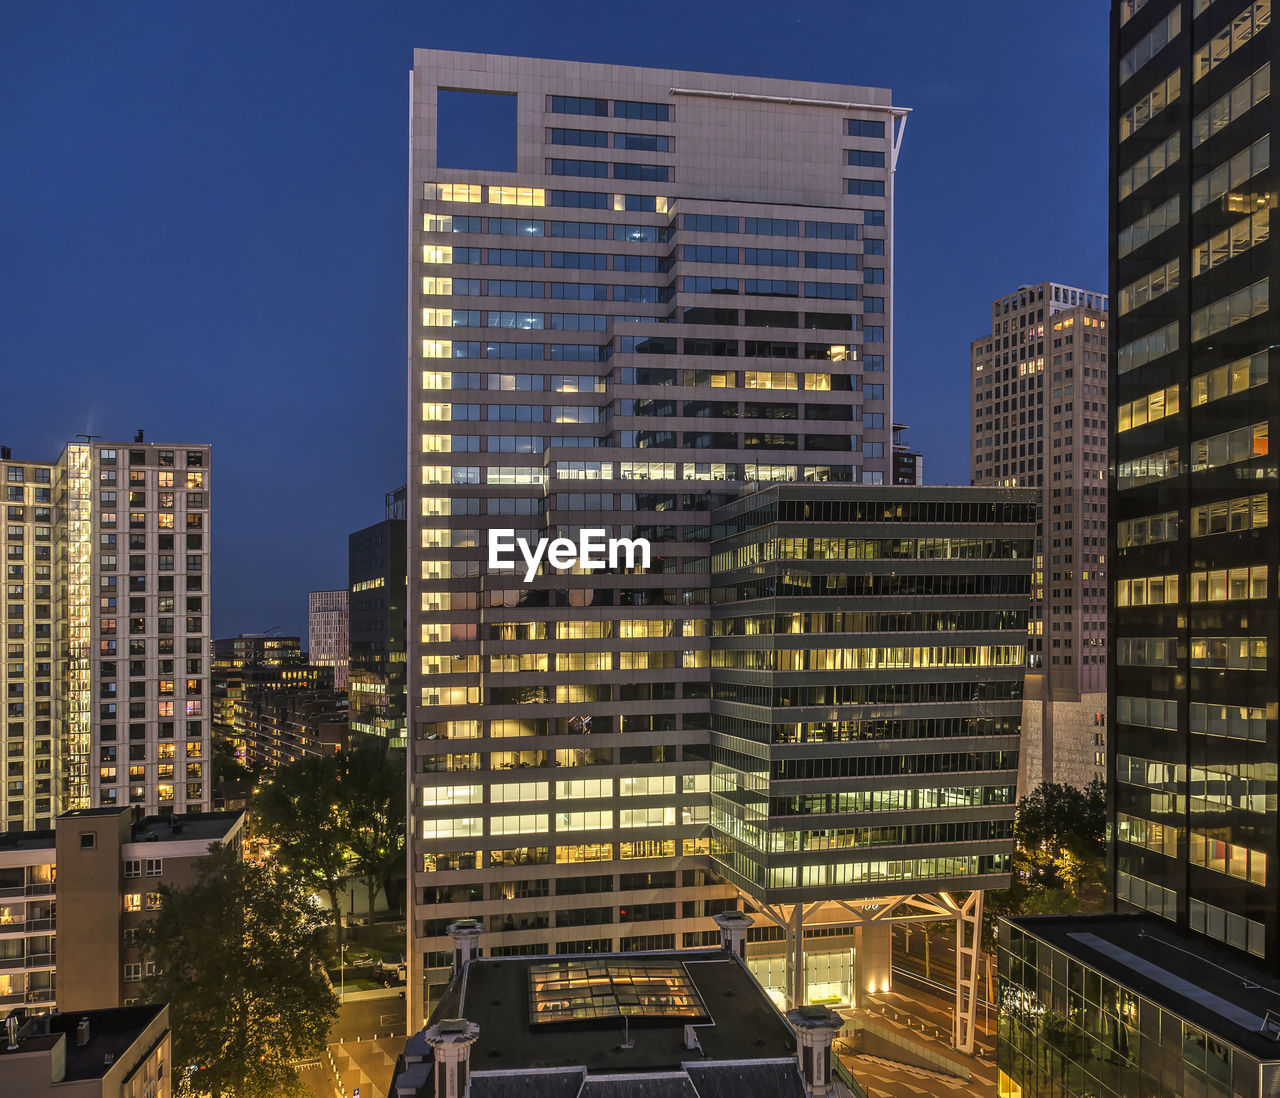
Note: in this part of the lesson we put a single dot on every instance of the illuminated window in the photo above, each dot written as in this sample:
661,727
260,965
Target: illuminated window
517,196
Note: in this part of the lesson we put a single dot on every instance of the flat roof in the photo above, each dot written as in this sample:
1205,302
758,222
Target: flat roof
112,1033
740,1020
1187,974
191,825
28,840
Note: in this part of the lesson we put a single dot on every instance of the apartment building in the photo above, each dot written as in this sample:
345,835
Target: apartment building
281,726
253,670
123,1052
1038,418
73,898
327,634
106,621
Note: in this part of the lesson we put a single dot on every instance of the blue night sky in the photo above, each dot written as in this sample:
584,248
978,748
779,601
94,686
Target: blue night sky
202,221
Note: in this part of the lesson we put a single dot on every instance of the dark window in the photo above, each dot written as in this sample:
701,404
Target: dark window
649,112
573,104
861,127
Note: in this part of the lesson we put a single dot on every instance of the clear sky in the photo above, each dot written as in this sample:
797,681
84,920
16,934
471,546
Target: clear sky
203,216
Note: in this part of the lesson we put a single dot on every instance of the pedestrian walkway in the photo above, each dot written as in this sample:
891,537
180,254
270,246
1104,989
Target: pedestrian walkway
924,1017
368,1065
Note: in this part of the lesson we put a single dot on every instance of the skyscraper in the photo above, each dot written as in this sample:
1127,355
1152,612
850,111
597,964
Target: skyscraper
1180,999
695,352
1038,417
327,633
107,630
377,587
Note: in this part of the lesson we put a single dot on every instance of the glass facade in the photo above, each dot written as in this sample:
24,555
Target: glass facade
1068,1030
1194,626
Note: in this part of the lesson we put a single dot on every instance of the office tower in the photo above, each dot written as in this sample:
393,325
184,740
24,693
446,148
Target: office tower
377,583
642,324
107,629
908,464
605,759
1180,999
1038,418
327,633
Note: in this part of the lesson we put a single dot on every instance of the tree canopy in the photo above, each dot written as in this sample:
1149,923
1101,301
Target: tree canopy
239,957
1059,859
332,817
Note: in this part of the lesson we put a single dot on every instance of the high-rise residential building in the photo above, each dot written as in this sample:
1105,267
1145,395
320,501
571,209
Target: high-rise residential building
106,621
1038,418
378,589
1182,998
327,633
694,351
908,464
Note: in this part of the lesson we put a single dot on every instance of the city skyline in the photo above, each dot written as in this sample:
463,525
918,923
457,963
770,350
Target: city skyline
316,188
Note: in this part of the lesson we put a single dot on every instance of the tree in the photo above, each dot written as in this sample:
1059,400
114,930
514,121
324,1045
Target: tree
298,808
239,960
1059,858
372,799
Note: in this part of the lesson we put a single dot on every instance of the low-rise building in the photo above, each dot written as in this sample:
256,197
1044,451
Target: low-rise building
71,942
692,1023
123,1052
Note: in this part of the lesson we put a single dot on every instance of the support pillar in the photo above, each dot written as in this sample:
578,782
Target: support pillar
795,993
968,957
873,961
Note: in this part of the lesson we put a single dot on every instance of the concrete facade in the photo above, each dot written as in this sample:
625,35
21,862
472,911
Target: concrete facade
105,678
1038,418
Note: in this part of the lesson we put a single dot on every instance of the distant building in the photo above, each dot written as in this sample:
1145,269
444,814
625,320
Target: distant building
106,636
378,604
91,883
122,1052
908,464
282,726
327,644
1039,419
252,666
618,1025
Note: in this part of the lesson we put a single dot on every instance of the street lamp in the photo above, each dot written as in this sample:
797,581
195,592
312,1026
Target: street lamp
342,973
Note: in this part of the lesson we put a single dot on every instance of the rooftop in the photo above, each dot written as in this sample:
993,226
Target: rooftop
1188,974
111,1033
212,826
613,1026
28,840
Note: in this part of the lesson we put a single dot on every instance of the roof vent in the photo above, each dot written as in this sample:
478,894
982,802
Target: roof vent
82,1031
